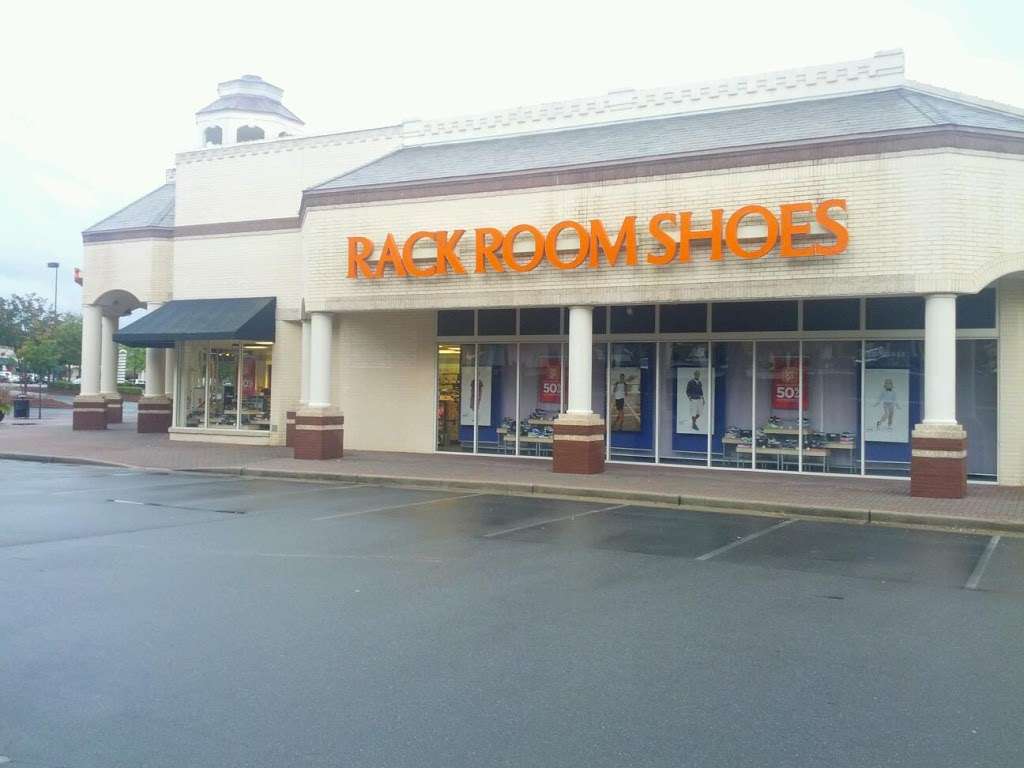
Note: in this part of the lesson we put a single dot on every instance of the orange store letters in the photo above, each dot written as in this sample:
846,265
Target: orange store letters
495,251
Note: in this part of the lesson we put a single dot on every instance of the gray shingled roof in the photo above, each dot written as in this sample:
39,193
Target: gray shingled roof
155,210
799,121
250,103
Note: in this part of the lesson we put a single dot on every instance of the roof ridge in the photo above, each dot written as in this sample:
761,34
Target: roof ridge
359,167
930,113
136,201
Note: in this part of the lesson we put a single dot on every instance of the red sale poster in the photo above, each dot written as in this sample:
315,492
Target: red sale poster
786,384
248,376
550,380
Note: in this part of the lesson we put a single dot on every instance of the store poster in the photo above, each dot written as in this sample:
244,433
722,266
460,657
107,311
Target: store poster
476,396
549,386
693,401
625,400
248,377
786,387
887,405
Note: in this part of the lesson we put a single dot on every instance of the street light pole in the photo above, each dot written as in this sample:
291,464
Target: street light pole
55,266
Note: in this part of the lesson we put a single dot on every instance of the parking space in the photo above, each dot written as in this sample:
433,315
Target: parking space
263,622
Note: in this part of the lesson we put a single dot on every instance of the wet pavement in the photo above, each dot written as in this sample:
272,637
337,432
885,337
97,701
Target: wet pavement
168,619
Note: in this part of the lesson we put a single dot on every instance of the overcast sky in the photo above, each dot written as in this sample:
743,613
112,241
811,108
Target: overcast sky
99,96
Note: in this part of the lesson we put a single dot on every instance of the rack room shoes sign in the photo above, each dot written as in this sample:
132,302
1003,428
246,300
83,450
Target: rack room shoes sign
798,230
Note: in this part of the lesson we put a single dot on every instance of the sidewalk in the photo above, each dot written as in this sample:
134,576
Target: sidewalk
987,507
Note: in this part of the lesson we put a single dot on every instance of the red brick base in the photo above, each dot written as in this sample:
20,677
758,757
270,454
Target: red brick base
938,464
578,446
319,435
115,409
154,414
90,413
289,429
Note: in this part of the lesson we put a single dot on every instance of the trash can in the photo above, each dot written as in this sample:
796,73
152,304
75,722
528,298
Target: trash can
21,405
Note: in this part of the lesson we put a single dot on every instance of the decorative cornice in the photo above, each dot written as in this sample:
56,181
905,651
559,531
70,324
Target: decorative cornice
140,233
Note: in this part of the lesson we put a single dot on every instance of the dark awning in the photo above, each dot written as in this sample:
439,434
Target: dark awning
202,320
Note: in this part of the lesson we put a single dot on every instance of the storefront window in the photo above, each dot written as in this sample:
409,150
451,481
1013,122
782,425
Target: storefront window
685,403
455,369
192,386
631,395
732,398
832,415
255,387
976,379
541,379
496,386
225,385
893,388
779,400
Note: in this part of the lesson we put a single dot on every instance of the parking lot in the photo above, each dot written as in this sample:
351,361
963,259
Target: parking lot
171,619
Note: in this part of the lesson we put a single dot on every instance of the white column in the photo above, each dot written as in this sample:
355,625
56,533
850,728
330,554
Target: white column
154,372
92,332
320,359
940,359
170,370
581,351
108,355
304,363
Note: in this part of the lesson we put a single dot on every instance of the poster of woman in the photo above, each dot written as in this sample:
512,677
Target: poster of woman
887,405
624,394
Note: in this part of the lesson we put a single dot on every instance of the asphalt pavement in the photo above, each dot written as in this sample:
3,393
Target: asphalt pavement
170,619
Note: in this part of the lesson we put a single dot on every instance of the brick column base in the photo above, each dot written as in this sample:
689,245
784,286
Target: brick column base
938,461
90,412
319,433
154,414
578,446
115,408
289,429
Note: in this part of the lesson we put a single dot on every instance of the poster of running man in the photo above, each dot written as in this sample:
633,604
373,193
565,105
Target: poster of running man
624,409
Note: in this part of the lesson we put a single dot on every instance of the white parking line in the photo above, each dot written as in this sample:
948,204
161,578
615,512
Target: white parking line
979,569
745,539
550,520
396,506
129,501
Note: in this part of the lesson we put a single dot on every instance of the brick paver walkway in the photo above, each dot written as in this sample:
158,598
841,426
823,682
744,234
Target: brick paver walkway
884,500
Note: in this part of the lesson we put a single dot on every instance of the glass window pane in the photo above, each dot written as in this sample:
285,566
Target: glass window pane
496,322
685,403
733,367
455,322
976,311
535,321
832,315
893,389
223,373
832,376
192,385
496,412
633,319
256,363
976,402
600,320
894,313
540,397
631,401
455,422
683,318
778,400
744,316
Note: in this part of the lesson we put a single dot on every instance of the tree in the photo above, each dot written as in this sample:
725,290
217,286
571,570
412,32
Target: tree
39,355
135,362
67,336
22,316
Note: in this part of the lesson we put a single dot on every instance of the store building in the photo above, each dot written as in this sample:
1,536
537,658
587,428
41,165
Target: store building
815,271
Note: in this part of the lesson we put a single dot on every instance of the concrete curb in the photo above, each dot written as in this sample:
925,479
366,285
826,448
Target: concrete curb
698,503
